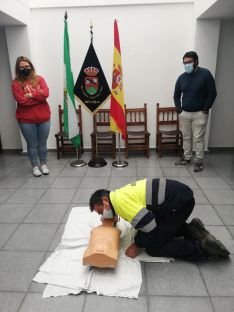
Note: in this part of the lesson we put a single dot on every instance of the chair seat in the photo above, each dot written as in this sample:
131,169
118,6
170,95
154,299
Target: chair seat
102,138
63,144
138,133
170,132
102,134
168,139
137,138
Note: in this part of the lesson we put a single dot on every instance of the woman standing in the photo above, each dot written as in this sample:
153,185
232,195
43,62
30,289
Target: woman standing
33,112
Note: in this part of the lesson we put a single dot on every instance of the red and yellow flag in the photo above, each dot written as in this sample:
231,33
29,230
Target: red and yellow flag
117,113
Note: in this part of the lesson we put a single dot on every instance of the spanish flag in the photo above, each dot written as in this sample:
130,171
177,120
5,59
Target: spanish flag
117,113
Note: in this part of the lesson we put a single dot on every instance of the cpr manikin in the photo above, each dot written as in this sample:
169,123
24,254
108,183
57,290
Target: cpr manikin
103,245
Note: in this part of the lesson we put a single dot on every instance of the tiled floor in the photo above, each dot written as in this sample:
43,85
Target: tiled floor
33,212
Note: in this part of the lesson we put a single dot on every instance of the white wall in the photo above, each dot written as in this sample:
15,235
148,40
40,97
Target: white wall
9,129
153,40
16,9
222,125
206,45
18,43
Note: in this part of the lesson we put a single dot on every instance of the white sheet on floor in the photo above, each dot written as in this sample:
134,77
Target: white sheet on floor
64,271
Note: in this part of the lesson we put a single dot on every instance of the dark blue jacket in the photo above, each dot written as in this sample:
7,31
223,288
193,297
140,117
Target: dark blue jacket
195,92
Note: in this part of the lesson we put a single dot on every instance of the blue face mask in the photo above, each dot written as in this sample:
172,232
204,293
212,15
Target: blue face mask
188,68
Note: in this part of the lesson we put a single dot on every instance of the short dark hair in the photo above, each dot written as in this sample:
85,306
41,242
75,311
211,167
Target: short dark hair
96,198
192,55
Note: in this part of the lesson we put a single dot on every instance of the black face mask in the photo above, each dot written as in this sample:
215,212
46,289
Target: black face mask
25,72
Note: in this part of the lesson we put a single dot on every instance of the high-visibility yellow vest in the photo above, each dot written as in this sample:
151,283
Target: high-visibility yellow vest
129,200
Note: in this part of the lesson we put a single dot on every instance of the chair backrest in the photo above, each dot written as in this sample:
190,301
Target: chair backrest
167,117
61,119
136,117
101,120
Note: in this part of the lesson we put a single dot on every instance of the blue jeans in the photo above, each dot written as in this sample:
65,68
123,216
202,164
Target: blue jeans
36,137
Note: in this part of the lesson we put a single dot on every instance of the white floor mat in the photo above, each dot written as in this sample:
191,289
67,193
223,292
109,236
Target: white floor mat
65,274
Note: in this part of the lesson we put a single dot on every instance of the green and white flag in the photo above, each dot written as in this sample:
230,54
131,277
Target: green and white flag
70,117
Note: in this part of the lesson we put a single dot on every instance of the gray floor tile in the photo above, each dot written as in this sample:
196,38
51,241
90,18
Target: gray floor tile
176,172
144,163
120,181
219,277
206,172
35,303
82,196
220,232
66,182
5,232
26,196
123,172
150,172
226,213
180,304
18,269
212,183
57,196
39,287
168,161
21,172
174,279
73,171
14,213
223,304
47,213
5,171
200,198
38,182
57,239
94,182
10,301
114,304
6,194
98,172
207,214
231,229
220,196
11,182
36,237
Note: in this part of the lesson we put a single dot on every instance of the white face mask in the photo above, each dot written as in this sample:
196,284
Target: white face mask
188,68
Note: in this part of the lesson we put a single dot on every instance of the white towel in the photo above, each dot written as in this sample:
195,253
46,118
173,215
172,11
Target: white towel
65,274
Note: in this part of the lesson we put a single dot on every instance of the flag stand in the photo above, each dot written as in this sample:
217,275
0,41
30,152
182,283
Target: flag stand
78,162
119,163
97,162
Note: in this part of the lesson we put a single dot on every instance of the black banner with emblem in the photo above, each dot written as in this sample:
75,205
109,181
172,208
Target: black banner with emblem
91,87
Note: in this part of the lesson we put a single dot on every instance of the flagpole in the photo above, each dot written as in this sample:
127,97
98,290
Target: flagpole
95,162
78,162
119,163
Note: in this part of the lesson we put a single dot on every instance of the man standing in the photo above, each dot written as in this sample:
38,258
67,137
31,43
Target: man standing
158,209
194,95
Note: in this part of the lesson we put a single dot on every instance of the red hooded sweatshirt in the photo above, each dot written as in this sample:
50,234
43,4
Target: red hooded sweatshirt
31,110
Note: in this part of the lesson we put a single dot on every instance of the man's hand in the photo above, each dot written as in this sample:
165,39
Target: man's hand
132,251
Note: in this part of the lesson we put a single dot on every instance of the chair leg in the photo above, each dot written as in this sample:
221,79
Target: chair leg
57,148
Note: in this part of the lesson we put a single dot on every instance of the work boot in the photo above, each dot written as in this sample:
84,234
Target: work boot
183,161
198,166
209,243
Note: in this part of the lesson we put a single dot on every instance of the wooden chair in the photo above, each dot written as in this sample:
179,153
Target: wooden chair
106,139
63,144
137,134
168,136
